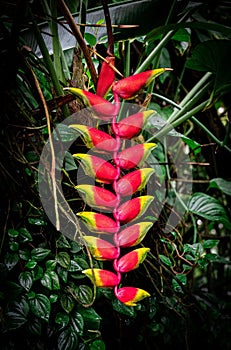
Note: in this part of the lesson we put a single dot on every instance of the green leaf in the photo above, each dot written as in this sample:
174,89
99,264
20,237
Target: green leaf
40,306
37,273
51,265
69,162
77,322
67,302
25,235
97,345
209,208
90,39
13,233
35,327
37,222
63,133
84,294
10,260
63,259
31,264
221,184
18,316
165,260
62,319
26,280
62,242
210,243
14,246
75,266
213,56
91,318
24,254
39,254
50,280
122,308
67,340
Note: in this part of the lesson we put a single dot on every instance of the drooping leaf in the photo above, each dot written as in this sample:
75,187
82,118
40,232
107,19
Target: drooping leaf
221,184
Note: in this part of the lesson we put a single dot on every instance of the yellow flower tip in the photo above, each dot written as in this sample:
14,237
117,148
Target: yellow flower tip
150,145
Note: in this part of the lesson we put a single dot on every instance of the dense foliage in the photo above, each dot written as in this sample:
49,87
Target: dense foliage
46,301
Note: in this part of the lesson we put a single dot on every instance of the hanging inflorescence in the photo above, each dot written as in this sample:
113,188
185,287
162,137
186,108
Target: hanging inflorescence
125,177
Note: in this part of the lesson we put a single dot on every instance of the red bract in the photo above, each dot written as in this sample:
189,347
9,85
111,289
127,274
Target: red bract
102,278
101,249
97,197
97,168
134,156
132,260
134,234
134,181
95,138
128,88
131,126
106,76
130,295
98,223
104,109
103,171
133,208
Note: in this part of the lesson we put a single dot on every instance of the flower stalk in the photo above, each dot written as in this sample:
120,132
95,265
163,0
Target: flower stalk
107,231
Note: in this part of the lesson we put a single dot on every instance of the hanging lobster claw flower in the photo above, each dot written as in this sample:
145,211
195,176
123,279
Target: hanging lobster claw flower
97,197
102,278
106,76
131,126
134,234
133,208
95,138
97,168
132,260
131,295
98,223
128,88
101,249
134,181
104,109
135,155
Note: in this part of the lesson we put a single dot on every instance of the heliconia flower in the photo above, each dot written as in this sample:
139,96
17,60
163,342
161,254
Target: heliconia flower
97,197
131,126
131,295
133,208
95,138
101,249
135,155
102,278
128,88
97,168
106,76
132,260
134,181
134,234
104,109
98,223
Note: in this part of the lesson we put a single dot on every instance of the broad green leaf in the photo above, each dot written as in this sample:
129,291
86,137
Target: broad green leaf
91,318
213,56
63,259
62,319
10,260
165,260
37,222
35,327
13,233
90,39
14,246
25,235
67,302
17,316
84,294
122,308
209,208
26,280
69,162
51,265
50,280
67,340
77,322
40,306
39,254
62,242
210,243
31,264
221,184
97,345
